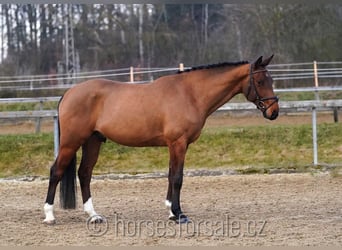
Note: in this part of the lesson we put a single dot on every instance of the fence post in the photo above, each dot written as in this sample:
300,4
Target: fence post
335,115
314,136
314,118
131,75
181,67
316,79
38,122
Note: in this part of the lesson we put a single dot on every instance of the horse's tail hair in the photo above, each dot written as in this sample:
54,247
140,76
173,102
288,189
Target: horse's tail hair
68,186
67,194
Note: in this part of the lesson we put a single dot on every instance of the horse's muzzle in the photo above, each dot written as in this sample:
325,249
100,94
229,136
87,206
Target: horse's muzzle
271,110
273,115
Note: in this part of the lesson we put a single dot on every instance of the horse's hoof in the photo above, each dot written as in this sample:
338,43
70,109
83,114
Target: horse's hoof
172,217
49,222
181,219
96,219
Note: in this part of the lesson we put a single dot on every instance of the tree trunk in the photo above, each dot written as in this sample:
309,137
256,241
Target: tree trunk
140,35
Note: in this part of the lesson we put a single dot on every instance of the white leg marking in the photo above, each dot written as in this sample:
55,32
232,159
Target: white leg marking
168,205
49,217
89,209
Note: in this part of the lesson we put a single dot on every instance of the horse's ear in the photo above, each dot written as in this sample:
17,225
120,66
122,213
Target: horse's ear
262,63
266,61
258,62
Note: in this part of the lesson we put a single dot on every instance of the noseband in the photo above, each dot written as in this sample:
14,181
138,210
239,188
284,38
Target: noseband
258,101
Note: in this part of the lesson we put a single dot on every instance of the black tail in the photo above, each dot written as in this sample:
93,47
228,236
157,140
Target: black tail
68,182
68,186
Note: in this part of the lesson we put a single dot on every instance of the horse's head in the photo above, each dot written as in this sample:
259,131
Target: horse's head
260,89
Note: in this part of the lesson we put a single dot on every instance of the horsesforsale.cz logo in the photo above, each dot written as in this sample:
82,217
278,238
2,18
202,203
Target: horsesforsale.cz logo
97,225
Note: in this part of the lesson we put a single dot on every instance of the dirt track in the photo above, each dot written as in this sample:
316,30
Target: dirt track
278,209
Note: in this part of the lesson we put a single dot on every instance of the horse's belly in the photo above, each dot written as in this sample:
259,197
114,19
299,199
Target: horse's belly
138,142
134,138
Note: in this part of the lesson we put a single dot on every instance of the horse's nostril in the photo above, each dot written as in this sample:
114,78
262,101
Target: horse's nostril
274,115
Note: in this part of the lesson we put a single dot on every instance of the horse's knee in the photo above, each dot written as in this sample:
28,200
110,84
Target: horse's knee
55,176
64,159
65,156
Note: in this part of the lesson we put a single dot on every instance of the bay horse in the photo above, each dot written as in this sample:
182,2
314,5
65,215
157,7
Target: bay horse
170,111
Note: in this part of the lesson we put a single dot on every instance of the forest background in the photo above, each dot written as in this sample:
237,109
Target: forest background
113,36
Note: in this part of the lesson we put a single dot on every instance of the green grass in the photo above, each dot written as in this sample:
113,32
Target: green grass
25,154
248,149
302,96
28,106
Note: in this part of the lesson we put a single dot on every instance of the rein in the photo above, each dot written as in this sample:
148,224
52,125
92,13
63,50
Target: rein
258,101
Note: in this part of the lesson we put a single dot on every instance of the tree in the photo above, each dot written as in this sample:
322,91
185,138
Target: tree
156,35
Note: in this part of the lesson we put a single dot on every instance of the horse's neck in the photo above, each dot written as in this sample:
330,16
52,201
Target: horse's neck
214,89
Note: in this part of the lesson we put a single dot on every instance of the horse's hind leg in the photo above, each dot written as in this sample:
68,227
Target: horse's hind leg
63,160
90,152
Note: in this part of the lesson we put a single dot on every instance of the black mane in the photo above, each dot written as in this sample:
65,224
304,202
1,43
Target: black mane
216,65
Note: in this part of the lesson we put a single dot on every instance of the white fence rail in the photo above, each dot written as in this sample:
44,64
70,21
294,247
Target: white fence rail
280,73
299,106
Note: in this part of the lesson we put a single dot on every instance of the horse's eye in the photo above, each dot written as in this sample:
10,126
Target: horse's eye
260,82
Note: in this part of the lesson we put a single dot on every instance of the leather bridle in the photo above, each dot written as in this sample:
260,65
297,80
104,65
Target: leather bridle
258,101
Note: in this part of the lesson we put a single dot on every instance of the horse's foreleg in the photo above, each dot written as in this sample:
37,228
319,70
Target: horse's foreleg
169,194
90,152
177,155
